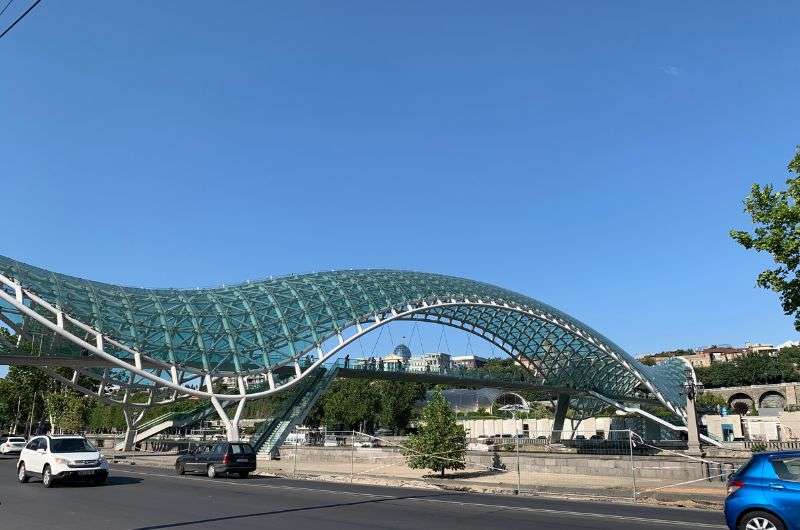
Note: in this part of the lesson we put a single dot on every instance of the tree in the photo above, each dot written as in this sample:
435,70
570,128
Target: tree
349,403
440,443
397,403
776,216
709,403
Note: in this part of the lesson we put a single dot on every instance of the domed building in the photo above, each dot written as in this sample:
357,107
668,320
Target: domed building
398,358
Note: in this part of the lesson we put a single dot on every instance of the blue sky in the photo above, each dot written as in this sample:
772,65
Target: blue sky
593,156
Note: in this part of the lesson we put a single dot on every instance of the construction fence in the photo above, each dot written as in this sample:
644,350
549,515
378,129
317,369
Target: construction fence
620,464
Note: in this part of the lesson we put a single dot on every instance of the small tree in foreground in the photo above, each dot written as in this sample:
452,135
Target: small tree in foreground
440,443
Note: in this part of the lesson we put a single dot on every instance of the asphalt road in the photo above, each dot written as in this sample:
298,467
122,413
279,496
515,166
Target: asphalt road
148,499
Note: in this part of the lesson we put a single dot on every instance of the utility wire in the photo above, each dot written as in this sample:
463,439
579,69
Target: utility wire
9,28
6,7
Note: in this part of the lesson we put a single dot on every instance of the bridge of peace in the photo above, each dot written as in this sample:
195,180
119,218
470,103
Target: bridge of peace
136,348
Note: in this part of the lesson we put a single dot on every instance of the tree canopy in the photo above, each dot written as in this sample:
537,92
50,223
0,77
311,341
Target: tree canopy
753,369
776,219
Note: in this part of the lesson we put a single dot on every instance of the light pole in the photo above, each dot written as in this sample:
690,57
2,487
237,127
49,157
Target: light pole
692,389
514,409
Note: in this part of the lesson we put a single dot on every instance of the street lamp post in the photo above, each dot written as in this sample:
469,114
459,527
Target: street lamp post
514,409
692,389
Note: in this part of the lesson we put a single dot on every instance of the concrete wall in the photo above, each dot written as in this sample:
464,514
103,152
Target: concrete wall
667,468
534,428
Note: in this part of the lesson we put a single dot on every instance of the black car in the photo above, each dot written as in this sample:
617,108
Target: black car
219,458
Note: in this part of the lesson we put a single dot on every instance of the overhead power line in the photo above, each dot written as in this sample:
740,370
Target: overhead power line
23,15
6,7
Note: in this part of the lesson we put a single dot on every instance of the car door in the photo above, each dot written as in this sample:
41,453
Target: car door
203,459
190,458
197,460
35,461
783,489
29,455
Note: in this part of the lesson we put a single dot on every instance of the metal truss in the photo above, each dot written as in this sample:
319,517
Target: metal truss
168,340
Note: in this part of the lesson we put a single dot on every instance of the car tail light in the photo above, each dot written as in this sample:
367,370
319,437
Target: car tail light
226,459
734,486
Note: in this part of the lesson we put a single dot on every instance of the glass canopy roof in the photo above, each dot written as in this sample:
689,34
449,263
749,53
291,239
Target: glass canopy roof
263,325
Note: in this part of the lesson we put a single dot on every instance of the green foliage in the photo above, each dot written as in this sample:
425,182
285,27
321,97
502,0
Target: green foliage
351,404
752,369
106,418
397,403
708,403
758,448
440,442
776,216
68,411
22,394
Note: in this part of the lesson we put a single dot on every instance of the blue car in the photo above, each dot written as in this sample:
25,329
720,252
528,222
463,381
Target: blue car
764,494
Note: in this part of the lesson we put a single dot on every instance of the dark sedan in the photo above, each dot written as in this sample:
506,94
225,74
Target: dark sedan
217,459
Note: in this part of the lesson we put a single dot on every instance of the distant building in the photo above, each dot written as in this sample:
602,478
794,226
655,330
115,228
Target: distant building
401,359
716,354
430,362
468,361
249,381
398,359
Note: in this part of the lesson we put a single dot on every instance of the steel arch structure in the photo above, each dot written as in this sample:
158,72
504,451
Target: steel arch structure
163,342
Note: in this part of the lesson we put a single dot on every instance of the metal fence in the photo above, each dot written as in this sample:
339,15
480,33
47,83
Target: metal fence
619,464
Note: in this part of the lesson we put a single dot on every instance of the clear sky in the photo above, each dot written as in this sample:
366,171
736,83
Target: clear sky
593,156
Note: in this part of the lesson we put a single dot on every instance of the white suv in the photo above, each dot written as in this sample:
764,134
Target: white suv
61,457
12,444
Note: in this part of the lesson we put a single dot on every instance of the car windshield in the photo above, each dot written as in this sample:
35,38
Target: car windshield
71,445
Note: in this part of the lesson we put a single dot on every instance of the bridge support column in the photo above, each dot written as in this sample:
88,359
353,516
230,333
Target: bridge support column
562,404
231,425
131,420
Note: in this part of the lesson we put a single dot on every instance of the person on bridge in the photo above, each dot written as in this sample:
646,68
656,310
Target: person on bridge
380,364
347,360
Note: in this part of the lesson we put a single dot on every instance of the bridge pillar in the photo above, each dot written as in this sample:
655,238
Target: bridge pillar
130,429
562,405
791,393
231,424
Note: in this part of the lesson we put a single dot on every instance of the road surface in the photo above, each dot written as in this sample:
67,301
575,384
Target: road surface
149,499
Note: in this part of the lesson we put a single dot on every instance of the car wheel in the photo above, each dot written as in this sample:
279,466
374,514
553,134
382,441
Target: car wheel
244,474
179,469
760,521
47,477
212,472
22,474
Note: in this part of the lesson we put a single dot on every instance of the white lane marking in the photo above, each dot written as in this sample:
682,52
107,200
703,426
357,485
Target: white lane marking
546,511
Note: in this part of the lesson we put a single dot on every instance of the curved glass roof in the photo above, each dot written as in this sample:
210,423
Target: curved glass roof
267,324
